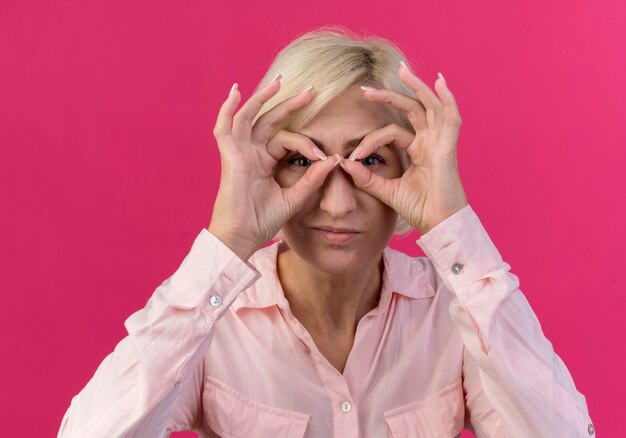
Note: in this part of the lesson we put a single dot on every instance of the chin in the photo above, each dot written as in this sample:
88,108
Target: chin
338,259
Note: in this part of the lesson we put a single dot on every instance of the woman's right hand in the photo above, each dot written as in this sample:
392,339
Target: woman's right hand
251,207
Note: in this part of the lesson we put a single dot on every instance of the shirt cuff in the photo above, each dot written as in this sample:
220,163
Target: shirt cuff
460,249
210,268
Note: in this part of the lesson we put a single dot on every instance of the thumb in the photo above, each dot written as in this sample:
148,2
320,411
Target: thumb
368,181
296,195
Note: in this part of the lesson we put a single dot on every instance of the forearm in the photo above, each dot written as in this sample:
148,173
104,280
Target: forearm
521,376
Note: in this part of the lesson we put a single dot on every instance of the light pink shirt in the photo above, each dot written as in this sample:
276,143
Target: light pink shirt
453,343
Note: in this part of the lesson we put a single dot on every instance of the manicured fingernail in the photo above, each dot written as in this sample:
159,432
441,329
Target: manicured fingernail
339,159
307,89
233,88
355,153
319,153
364,88
277,77
442,79
404,65
341,163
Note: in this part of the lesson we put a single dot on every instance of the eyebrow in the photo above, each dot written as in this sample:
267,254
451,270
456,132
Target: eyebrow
350,144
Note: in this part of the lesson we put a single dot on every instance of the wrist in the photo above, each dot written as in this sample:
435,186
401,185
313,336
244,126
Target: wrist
442,218
241,247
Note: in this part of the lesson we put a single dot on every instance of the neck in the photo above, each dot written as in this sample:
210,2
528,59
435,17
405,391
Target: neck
325,303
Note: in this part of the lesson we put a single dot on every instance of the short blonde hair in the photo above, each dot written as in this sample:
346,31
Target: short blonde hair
333,58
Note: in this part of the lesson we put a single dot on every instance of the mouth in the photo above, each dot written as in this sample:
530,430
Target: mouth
337,236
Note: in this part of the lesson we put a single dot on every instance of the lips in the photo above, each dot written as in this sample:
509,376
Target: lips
337,235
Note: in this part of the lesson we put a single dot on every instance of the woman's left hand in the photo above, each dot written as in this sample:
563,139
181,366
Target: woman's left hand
430,189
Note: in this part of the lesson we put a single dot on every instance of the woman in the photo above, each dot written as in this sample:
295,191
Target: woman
328,331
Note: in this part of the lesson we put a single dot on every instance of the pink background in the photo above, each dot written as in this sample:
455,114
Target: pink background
109,167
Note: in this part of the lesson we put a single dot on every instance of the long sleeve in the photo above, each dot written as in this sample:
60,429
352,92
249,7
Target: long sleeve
150,384
516,385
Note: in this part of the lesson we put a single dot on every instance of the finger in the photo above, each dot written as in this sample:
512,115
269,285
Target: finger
452,117
266,124
423,91
225,115
296,195
391,134
242,122
376,185
413,108
284,142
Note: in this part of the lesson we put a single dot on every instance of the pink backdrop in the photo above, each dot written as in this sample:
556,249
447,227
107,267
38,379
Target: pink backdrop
109,167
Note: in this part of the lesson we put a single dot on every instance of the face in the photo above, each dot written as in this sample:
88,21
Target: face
339,203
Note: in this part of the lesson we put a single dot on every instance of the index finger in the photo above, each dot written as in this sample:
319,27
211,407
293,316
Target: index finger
391,134
423,91
242,121
414,109
285,141
266,124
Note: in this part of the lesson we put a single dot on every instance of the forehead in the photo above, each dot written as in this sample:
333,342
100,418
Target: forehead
350,115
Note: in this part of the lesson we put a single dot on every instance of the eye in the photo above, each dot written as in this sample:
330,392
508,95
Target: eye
299,160
370,160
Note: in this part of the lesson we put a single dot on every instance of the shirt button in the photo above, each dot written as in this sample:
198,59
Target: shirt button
216,300
591,429
457,268
346,406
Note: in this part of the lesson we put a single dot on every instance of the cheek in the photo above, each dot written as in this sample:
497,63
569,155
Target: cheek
378,211
399,162
404,164
304,217
295,229
390,215
393,169
286,177
391,172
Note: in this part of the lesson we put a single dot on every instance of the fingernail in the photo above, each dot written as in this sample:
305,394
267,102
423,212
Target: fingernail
442,79
319,153
404,65
233,88
338,158
355,154
307,89
277,77
344,166
364,88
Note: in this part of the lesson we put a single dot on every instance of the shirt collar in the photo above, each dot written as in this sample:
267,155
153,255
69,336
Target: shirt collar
404,275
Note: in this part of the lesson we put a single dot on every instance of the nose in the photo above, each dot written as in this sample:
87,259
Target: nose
338,193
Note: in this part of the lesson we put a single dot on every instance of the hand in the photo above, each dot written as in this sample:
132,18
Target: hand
430,190
251,207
